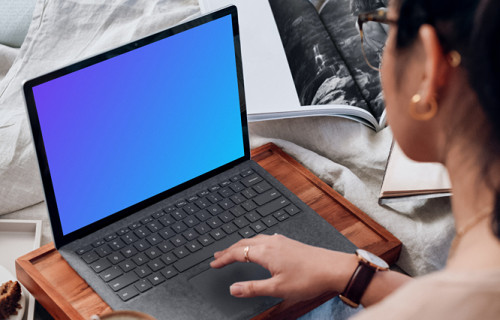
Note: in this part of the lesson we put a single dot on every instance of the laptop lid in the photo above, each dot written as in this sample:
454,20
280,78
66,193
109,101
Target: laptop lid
124,129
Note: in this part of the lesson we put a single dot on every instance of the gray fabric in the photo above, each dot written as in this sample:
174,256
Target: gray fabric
346,155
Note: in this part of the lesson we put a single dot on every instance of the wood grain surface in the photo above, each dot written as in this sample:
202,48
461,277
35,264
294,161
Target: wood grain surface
66,295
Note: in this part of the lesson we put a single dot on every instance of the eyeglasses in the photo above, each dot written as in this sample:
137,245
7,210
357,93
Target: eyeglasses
373,40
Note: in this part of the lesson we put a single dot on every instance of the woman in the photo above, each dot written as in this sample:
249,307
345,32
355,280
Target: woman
441,80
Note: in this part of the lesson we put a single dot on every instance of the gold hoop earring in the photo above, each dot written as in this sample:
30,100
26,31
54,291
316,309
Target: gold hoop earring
425,115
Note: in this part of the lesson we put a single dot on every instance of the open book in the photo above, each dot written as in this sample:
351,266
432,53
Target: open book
407,178
302,59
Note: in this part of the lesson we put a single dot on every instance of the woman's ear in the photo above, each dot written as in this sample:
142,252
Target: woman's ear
435,65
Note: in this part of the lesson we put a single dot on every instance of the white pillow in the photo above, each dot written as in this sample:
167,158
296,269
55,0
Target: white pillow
15,19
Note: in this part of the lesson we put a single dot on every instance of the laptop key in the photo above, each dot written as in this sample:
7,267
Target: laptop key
191,221
273,206
253,216
143,285
158,214
178,240
169,272
140,259
191,208
207,252
166,233
226,204
238,198
258,226
241,222
156,278
84,249
179,227
215,209
194,246
226,217
246,172
247,232
214,198
116,257
154,239
202,228
90,257
181,252
206,240
135,225
116,244
128,293
249,193
152,253
127,265
280,215
226,192
166,246
167,220
142,232
229,228
154,226
249,205
203,193
266,197
178,214
168,258
143,271
181,203
100,265
142,245
270,221
218,234
98,243
190,234
237,186
110,237
123,281
203,215
238,211
156,264
122,231
214,222
250,180
146,220
129,238
103,250
110,273
262,186
292,210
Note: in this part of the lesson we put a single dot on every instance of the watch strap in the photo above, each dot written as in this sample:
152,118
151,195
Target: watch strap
357,285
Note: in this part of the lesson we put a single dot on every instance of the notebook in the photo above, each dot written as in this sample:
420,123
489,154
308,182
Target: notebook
145,163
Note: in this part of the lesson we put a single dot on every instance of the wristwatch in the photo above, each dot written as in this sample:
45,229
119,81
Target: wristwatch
368,264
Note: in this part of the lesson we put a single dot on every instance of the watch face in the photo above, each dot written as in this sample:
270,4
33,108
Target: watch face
373,259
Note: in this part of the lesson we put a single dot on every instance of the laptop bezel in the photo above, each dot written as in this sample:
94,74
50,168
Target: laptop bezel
59,238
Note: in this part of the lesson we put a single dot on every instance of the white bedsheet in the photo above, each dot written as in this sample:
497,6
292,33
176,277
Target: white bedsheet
346,155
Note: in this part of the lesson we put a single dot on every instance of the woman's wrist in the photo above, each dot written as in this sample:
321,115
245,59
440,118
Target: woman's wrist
340,268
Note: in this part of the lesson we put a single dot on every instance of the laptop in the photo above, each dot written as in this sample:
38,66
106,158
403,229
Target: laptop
145,163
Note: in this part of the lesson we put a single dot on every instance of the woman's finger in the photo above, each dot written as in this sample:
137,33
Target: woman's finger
241,253
255,288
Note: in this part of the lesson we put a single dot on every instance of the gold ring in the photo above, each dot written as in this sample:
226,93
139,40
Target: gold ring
245,251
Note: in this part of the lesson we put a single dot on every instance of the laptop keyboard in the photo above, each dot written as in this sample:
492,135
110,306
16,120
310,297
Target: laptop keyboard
156,248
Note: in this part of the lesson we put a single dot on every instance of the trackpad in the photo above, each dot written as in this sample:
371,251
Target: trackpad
214,285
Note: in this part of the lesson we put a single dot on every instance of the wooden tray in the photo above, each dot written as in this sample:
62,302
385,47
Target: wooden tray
66,295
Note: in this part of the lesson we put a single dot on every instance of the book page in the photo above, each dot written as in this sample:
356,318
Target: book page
268,82
405,177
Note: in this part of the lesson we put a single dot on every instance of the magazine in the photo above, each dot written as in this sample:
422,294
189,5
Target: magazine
304,58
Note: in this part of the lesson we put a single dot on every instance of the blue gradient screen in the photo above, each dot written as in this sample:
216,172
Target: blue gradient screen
128,128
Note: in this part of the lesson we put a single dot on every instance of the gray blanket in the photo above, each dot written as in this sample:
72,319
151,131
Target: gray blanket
346,155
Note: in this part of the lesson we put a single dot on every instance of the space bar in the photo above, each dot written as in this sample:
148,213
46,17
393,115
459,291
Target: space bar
205,253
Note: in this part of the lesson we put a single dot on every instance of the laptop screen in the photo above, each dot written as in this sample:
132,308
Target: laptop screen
131,127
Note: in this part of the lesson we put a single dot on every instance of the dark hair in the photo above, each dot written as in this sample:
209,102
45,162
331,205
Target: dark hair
471,27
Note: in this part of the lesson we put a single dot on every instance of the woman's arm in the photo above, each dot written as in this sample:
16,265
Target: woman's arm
301,272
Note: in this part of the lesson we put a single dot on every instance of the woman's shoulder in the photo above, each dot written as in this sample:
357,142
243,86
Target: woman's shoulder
442,295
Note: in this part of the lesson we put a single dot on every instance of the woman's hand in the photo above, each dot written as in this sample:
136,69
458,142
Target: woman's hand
299,271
